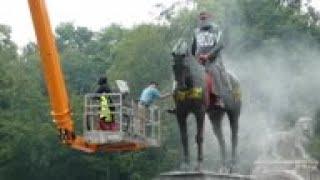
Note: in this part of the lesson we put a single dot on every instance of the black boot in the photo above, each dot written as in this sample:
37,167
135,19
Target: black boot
216,102
219,103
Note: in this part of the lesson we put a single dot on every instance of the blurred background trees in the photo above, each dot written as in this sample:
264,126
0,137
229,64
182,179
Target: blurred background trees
29,144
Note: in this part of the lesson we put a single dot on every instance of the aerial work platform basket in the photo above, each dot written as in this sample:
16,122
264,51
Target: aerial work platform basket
129,129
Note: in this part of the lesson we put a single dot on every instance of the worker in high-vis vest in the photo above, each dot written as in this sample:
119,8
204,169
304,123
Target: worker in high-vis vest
105,113
107,120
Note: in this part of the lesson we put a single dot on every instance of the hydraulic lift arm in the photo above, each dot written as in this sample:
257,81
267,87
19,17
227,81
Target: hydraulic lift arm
61,111
50,61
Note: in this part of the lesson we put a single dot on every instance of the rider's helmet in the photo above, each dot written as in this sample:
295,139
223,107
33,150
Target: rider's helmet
205,18
204,15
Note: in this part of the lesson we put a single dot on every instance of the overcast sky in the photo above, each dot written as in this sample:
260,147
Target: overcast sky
94,14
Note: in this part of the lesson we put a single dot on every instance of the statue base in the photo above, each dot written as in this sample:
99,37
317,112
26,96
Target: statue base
201,175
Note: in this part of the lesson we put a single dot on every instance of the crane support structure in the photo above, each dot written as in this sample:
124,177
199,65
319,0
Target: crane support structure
59,100
56,87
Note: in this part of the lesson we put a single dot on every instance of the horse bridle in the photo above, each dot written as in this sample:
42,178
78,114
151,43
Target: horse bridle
179,67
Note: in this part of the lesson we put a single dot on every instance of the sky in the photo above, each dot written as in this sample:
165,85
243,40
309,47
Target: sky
94,14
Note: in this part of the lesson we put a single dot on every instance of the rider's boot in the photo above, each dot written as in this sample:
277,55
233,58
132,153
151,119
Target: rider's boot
217,101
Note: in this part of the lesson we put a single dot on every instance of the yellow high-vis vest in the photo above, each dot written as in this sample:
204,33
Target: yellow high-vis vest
104,109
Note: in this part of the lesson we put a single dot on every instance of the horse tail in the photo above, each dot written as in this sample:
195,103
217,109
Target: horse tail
235,86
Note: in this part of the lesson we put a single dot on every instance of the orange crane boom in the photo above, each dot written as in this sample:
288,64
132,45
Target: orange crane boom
61,111
50,61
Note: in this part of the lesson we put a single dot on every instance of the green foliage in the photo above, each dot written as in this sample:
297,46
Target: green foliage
69,36
30,147
142,57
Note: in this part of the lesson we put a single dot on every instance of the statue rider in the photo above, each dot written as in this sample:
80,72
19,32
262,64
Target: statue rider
206,47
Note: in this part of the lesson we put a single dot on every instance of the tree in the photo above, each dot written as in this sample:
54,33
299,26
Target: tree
139,54
141,57
66,36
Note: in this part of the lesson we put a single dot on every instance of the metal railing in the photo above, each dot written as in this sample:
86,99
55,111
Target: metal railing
127,125
148,123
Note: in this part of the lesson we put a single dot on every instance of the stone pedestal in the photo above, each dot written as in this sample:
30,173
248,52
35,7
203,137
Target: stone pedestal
204,175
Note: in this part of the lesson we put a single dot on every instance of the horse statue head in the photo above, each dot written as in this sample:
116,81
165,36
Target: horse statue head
182,63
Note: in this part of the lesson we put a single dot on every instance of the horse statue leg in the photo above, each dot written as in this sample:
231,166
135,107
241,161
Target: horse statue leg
216,116
200,115
182,122
233,118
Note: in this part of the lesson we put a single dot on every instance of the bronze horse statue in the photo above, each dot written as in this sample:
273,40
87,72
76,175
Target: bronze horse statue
191,97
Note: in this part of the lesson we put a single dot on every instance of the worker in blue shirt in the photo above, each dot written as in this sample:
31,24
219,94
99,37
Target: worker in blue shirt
148,96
